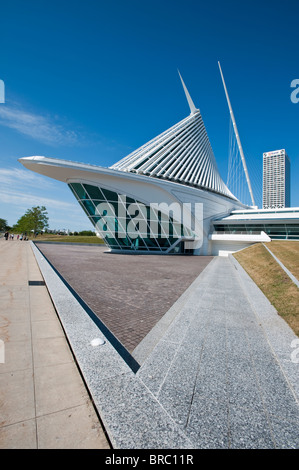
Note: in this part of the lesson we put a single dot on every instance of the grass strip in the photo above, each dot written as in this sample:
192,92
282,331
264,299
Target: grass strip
288,253
68,239
273,282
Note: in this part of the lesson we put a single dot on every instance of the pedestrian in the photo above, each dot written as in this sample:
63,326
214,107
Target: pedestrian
6,235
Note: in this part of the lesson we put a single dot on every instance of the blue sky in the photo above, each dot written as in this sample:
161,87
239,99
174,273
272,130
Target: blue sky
90,81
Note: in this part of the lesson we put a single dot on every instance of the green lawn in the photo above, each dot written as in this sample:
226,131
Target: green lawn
272,279
288,253
68,239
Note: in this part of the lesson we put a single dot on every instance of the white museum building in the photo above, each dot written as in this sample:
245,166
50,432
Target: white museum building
167,197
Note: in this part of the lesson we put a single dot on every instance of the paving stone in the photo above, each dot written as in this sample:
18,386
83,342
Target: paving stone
124,289
44,402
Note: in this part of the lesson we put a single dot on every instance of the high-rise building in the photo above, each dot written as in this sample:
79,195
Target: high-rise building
276,180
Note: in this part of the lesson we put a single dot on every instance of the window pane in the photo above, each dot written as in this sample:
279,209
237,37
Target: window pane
94,192
109,195
129,201
79,190
124,242
95,220
89,207
84,208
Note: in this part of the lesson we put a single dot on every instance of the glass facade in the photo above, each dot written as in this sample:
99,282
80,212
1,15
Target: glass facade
276,231
127,224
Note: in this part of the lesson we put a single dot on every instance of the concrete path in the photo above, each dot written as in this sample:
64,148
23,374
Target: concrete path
44,403
224,370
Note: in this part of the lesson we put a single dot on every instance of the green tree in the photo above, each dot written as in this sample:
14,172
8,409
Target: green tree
3,225
86,233
35,219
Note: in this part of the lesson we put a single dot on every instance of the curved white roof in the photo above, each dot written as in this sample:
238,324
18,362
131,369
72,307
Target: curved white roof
182,154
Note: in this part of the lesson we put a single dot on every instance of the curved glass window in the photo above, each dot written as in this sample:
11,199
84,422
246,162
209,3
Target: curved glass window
127,224
79,191
93,191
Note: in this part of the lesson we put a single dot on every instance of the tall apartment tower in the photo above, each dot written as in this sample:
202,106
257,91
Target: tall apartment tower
276,180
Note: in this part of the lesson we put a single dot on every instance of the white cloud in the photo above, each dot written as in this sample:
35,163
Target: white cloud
21,189
18,176
42,128
26,200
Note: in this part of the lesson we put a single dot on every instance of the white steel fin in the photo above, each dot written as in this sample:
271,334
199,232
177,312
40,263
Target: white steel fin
182,153
192,107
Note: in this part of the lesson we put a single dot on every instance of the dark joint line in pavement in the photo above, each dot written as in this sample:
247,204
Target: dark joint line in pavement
36,283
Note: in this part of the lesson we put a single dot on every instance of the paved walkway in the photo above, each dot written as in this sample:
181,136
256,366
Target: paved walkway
221,375
44,403
128,293
223,370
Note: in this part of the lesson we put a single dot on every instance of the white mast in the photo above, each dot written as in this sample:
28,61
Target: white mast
192,107
237,137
